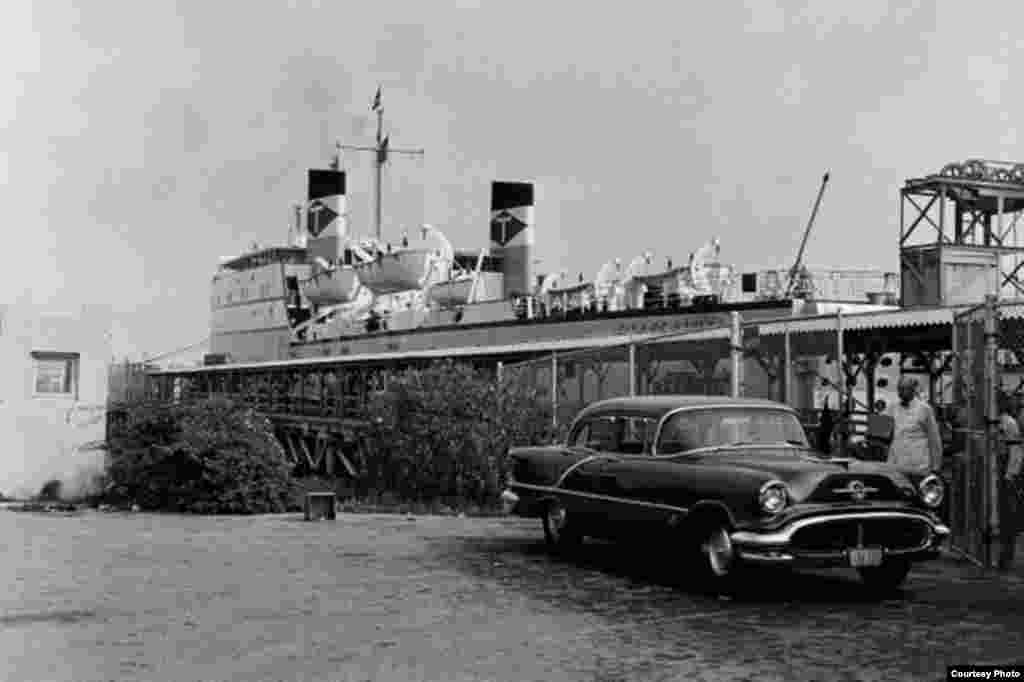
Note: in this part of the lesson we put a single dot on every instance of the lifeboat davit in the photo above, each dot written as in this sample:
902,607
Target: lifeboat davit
331,287
390,273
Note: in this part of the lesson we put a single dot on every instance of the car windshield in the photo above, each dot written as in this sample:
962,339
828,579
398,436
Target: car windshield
691,429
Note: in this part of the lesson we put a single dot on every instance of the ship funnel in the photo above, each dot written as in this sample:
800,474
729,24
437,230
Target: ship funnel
326,213
512,234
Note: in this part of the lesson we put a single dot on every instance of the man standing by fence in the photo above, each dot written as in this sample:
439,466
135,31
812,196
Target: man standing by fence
1009,461
916,442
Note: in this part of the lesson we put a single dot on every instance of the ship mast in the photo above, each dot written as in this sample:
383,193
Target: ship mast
381,150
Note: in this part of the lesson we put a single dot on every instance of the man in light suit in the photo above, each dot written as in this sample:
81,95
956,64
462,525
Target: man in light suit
916,442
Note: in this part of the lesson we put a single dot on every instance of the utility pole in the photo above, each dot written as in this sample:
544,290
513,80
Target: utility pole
381,149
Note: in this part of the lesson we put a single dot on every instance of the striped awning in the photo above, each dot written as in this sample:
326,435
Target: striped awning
1012,310
891,319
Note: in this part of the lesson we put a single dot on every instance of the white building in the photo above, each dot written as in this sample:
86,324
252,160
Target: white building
53,394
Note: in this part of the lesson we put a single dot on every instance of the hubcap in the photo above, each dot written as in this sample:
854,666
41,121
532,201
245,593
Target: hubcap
719,550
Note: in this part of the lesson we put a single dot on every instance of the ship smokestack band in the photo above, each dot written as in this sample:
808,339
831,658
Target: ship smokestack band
512,234
325,212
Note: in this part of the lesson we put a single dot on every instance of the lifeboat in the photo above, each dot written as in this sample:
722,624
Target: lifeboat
700,277
658,289
338,315
576,297
452,292
331,287
672,279
454,286
390,273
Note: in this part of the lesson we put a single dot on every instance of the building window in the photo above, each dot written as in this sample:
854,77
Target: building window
56,373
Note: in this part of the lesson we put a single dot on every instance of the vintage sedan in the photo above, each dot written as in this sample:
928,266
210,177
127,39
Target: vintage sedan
734,480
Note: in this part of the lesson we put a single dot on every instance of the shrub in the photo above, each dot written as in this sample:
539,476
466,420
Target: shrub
208,457
442,433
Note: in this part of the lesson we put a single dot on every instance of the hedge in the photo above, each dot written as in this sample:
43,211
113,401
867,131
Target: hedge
436,435
442,433
210,457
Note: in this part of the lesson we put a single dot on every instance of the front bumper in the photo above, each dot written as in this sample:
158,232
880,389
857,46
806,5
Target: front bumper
777,546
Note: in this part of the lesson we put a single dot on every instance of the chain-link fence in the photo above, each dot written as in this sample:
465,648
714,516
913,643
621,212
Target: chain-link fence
570,381
974,400
986,488
1006,466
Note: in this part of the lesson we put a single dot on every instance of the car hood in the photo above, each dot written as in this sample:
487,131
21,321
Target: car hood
811,477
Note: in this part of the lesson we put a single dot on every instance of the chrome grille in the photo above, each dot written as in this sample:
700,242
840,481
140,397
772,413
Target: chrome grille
838,488
842,534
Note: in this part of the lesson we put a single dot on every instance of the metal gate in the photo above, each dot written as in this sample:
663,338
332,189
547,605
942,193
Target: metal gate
977,380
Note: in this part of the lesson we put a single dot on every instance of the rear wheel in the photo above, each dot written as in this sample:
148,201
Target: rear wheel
561,532
887,577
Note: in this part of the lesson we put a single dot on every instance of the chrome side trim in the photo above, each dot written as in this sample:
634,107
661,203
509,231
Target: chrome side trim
782,537
576,465
598,496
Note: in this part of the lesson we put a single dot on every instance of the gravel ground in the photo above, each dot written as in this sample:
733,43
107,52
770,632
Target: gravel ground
380,597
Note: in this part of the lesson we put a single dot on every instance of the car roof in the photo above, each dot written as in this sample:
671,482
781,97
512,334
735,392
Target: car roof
658,405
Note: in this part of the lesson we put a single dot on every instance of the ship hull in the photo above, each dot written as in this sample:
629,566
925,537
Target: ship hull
510,332
257,345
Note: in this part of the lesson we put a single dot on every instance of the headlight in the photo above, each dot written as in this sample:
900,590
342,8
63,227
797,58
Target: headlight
931,491
773,497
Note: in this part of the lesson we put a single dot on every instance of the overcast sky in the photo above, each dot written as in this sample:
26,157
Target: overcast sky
145,140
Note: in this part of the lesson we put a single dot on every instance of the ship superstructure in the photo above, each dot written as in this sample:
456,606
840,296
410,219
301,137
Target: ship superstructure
333,290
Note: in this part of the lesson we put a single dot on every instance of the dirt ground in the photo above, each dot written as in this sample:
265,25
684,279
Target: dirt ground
377,597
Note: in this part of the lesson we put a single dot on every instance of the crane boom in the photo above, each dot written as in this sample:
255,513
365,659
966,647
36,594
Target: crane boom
796,276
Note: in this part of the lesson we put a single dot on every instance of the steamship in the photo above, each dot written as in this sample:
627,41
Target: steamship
331,292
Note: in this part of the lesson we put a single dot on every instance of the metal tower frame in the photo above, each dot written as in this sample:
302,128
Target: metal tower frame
977,203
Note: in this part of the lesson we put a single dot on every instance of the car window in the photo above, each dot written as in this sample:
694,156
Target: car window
680,435
724,426
604,435
616,433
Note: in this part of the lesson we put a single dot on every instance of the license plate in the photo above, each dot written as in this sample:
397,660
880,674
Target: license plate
865,557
